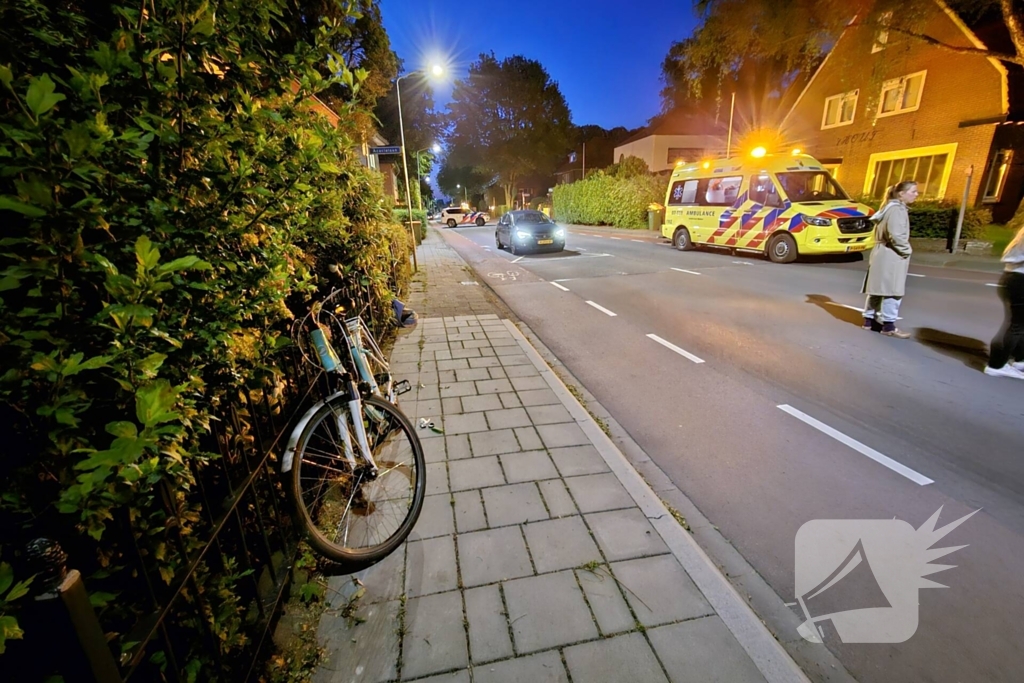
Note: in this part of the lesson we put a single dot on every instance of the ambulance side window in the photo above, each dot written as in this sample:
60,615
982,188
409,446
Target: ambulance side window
721,191
764,192
683,192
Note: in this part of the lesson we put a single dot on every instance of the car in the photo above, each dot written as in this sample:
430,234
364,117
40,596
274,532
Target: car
523,231
454,215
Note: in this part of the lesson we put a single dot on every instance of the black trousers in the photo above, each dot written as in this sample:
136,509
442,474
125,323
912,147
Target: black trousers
1009,343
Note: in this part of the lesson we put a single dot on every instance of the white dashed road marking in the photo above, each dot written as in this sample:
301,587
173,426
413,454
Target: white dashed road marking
564,289
881,459
602,309
669,345
914,275
518,259
691,272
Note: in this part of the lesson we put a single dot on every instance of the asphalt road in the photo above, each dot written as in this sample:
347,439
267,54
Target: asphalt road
767,405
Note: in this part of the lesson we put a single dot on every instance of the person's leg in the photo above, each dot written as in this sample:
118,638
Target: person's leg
891,311
873,313
1010,338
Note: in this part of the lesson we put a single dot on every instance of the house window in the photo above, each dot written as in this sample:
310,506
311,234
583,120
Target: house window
901,94
683,154
882,34
929,167
833,169
997,176
839,110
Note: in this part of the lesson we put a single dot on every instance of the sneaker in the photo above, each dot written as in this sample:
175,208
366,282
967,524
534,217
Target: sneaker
1019,365
896,332
1005,371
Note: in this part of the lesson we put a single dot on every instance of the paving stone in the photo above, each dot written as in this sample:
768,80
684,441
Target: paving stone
523,371
472,404
624,534
431,347
497,373
573,461
457,446
508,418
426,433
547,611
458,389
433,450
622,658
457,677
597,492
493,555
425,393
488,353
528,466
513,504
437,478
560,543
541,668
529,440
380,583
703,651
493,386
660,591
530,383
542,415
472,374
606,602
564,434
475,344
436,518
493,443
484,362
488,627
513,359
435,639
417,409
466,353
475,473
462,424
431,567
345,645
439,355
557,497
538,397
452,405
404,356
510,400
469,511
445,377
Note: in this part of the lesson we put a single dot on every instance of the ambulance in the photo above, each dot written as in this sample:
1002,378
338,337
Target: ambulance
782,205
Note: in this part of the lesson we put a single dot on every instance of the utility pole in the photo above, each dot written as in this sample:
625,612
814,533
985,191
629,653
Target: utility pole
584,161
963,208
732,110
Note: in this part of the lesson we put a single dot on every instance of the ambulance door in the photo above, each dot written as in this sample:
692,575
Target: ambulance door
718,198
760,214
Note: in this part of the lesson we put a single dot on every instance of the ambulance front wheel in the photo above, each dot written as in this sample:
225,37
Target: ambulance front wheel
782,248
681,240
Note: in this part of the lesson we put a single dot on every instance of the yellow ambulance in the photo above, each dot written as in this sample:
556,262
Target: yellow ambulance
782,205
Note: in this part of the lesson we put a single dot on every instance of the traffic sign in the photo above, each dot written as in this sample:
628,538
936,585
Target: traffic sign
395,149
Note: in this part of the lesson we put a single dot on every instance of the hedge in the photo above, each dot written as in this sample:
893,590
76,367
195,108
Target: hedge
936,218
401,216
170,201
603,199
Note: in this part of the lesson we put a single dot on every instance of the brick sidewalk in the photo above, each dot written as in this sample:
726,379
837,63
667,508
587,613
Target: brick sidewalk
534,559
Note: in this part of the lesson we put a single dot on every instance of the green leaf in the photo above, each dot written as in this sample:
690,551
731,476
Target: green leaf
6,75
41,97
9,631
20,589
147,255
151,363
126,430
154,403
12,204
185,263
101,599
8,283
6,577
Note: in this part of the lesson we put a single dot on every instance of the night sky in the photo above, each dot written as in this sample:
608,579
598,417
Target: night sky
605,54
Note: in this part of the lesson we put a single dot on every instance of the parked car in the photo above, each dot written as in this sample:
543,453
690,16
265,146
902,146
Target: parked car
523,231
454,215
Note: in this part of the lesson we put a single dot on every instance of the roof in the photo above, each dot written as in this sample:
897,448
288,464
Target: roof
676,124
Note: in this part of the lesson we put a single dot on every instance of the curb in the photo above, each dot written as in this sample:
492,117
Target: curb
768,655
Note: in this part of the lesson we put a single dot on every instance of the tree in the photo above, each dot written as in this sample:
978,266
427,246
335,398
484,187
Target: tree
462,181
508,118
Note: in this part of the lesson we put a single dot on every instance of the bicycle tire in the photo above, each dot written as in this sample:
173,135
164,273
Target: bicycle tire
323,481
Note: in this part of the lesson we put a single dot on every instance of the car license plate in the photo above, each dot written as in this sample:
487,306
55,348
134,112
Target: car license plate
545,241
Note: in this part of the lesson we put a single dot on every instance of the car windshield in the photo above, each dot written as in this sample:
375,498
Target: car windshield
532,217
811,186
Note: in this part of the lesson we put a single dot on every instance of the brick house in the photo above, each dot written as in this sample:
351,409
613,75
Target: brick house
882,108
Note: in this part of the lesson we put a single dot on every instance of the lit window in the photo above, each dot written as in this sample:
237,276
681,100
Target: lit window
840,109
929,170
997,176
882,35
901,94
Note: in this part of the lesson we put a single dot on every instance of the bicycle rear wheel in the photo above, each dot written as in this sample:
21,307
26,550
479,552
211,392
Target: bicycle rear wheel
352,515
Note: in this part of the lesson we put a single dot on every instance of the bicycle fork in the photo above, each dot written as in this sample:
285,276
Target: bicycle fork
355,410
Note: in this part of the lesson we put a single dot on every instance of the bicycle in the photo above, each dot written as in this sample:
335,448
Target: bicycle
355,464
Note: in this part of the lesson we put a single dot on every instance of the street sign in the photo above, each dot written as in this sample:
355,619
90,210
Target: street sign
386,150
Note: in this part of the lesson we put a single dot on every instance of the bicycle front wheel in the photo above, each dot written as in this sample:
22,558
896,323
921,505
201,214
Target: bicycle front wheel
355,515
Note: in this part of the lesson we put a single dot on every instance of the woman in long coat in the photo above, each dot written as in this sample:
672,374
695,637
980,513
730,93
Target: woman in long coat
886,280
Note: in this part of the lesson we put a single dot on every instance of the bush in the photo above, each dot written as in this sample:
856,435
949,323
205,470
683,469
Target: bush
401,217
165,211
936,218
603,199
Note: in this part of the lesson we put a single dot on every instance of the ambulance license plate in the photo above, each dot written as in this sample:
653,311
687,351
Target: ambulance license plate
545,241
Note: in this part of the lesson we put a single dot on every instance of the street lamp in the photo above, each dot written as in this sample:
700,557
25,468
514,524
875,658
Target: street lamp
436,70
435,148
465,191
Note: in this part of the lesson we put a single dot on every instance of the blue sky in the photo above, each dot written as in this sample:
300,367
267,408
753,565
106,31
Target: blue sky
605,54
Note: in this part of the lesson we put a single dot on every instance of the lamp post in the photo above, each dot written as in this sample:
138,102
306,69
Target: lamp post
436,70
465,191
435,148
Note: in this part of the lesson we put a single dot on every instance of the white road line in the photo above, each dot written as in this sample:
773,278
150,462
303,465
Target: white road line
991,284
914,275
885,460
691,272
602,309
564,289
518,259
564,279
615,238
669,345
640,241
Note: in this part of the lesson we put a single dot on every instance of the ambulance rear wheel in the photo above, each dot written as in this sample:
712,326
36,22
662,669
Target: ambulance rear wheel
681,240
451,223
782,248
480,221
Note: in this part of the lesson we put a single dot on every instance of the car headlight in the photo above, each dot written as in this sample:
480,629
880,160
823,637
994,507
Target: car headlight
820,222
560,232
523,235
